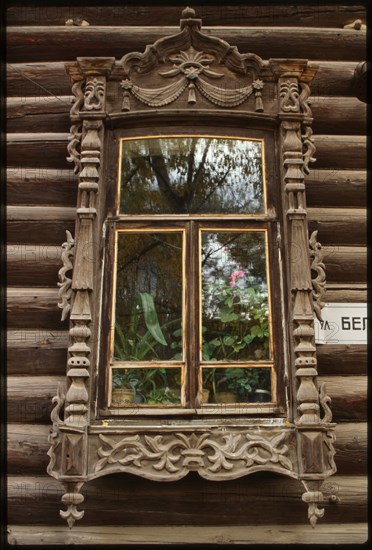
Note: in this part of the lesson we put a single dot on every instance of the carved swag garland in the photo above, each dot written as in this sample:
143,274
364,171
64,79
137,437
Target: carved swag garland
278,91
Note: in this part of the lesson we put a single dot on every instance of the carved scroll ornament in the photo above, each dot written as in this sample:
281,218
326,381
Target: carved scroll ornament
317,266
84,444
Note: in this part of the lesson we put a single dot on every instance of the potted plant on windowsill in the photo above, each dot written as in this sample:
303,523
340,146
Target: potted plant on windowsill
124,384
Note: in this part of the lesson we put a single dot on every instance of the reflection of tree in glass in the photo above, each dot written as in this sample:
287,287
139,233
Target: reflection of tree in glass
191,175
149,264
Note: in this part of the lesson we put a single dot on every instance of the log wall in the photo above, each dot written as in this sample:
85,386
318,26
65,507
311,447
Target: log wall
41,194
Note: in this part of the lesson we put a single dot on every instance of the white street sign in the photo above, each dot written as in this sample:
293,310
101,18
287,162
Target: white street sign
343,323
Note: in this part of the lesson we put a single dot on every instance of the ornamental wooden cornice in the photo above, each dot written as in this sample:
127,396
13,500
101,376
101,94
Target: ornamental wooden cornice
190,74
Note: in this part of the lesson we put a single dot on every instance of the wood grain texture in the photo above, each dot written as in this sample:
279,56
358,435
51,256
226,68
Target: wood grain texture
340,152
33,308
28,149
29,400
332,115
342,359
25,224
28,445
347,533
47,79
41,187
50,43
345,264
342,188
123,499
339,292
318,15
339,226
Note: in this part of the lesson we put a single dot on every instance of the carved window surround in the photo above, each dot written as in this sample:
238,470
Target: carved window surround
201,78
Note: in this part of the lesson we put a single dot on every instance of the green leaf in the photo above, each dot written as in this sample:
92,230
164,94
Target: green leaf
227,315
151,318
229,340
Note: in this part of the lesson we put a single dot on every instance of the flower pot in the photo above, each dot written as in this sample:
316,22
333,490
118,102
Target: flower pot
226,397
122,396
261,396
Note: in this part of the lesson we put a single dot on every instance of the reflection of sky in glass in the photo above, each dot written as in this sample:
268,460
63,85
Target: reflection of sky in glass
191,175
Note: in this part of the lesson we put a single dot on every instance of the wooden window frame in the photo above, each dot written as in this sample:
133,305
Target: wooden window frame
132,94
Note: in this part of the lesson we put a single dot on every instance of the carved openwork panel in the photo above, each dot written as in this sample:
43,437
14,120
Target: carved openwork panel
190,76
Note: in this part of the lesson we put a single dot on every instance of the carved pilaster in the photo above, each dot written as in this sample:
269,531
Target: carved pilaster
294,110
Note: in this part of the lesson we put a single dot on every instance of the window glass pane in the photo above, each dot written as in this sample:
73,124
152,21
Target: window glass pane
148,307
235,311
158,386
236,385
191,175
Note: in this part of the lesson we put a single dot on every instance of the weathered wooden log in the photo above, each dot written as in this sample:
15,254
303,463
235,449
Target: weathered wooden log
38,265
25,224
340,115
347,533
27,447
295,15
127,500
330,188
38,114
37,352
339,292
50,42
33,265
29,399
30,150
342,359
342,226
45,79
340,152
345,264
349,397
33,308
41,186
333,152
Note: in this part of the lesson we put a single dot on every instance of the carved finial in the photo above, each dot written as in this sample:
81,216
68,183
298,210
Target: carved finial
188,13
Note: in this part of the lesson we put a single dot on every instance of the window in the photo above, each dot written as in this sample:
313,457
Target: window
193,252
191,289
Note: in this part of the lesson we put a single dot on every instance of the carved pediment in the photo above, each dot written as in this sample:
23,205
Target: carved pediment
192,61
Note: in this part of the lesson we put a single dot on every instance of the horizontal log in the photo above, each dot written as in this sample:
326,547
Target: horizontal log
33,265
45,79
29,399
33,308
38,265
41,187
349,397
340,152
345,264
338,292
25,224
126,500
38,114
27,447
347,533
51,42
37,352
342,226
288,15
340,115
342,359
330,188
27,149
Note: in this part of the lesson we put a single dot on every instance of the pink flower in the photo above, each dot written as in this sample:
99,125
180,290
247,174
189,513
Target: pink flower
234,276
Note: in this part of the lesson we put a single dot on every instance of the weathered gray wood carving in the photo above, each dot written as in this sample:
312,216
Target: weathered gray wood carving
65,290
85,443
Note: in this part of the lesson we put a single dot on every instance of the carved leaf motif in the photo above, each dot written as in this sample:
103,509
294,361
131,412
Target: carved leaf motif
94,95
317,266
64,293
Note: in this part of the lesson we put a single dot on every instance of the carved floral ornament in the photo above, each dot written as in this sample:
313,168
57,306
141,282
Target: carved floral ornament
204,70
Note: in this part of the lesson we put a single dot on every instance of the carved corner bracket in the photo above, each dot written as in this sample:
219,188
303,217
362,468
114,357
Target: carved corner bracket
80,448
